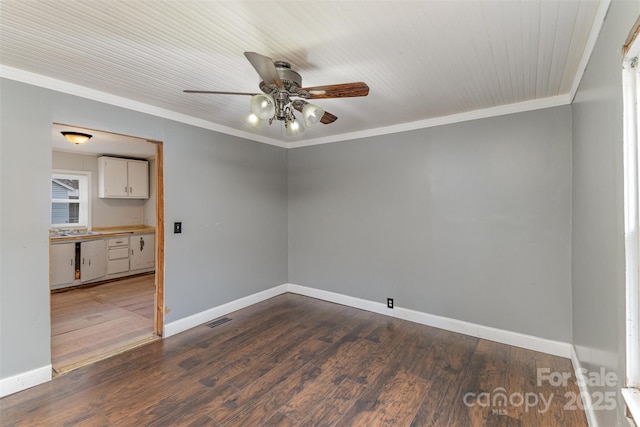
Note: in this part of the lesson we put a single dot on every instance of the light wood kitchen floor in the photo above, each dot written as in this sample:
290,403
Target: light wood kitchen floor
91,323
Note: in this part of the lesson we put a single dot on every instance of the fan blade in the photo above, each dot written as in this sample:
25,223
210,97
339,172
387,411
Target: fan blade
265,67
215,92
344,90
327,118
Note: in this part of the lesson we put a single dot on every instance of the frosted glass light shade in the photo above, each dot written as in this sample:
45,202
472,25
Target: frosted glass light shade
293,128
253,121
312,114
263,106
76,137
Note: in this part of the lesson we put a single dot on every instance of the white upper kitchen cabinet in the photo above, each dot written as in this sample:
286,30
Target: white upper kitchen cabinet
123,178
138,174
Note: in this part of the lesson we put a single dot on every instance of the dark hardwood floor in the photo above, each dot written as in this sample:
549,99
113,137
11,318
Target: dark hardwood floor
298,361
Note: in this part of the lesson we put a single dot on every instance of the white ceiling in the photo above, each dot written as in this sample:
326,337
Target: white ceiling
101,143
426,62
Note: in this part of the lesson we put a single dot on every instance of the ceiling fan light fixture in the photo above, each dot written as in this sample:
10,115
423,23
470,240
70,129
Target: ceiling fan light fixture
253,120
77,137
279,84
292,127
263,106
312,114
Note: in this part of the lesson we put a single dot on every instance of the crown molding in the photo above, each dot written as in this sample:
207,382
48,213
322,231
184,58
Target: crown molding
519,107
598,22
119,101
84,92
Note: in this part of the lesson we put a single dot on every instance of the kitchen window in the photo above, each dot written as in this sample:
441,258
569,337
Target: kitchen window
70,199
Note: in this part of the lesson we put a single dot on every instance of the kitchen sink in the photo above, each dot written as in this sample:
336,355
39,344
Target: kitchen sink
73,233
80,233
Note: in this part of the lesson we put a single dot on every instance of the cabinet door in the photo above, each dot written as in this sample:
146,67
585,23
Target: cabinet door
138,173
143,251
63,264
118,256
118,265
93,259
112,177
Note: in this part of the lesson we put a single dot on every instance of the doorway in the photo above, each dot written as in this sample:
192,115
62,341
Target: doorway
123,308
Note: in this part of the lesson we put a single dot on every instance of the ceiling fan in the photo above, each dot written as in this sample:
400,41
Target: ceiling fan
283,92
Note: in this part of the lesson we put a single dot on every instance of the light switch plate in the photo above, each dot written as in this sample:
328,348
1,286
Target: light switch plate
177,227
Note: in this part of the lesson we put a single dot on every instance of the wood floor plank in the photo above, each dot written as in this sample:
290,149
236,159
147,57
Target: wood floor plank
296,361
236,341
267,404
179,408
226,408
314,392
435,409
335,404
86,420
201,420
487,375
281,420
299,341
392,400
447,362
565,411
156,385
89,322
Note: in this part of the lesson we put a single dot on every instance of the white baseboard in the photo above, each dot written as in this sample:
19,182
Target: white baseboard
584,392
530,342
29,379
631,398
25,380
221,310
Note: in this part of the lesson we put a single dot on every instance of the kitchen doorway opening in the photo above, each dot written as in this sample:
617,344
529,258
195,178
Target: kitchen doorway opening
106,279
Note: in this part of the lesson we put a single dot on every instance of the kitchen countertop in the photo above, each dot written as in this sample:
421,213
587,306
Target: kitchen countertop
103,232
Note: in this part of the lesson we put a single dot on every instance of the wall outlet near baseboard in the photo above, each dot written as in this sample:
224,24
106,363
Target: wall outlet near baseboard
389,302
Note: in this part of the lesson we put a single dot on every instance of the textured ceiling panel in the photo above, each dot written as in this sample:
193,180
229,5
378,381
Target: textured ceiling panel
421,59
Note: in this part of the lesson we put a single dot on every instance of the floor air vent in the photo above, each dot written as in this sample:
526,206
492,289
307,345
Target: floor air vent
218,322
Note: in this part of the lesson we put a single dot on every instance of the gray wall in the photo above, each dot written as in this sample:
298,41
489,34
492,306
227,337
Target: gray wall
468,221
597,207
229,193
232,201
25,172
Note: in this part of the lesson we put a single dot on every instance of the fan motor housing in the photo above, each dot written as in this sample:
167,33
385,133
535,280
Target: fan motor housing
292,80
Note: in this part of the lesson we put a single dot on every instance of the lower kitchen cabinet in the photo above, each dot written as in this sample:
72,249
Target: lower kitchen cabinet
143,251
97,259
93,260
63,264
118,259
